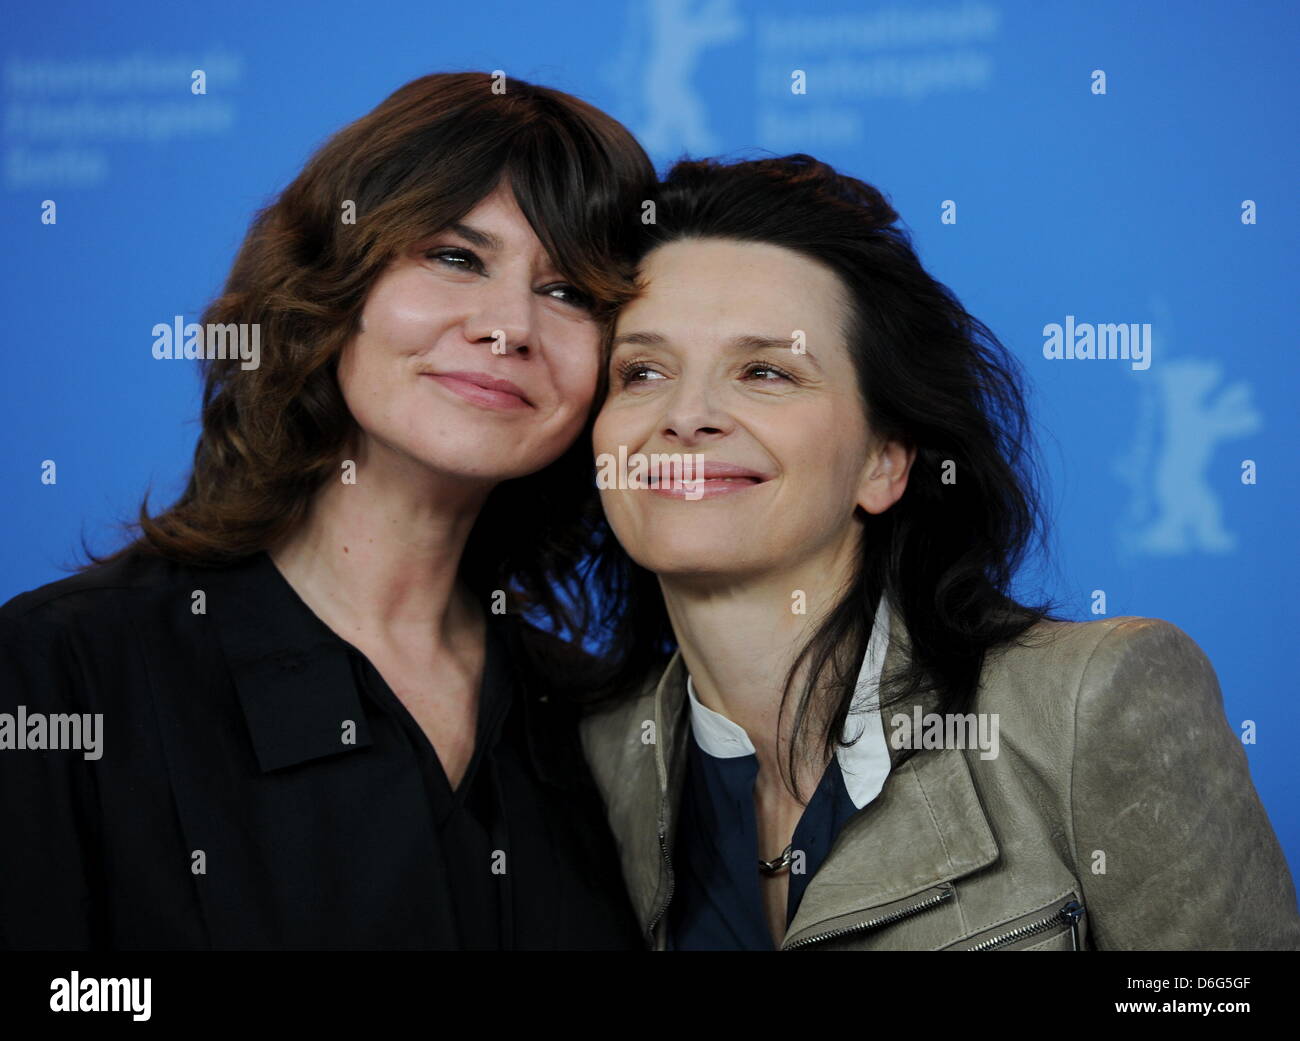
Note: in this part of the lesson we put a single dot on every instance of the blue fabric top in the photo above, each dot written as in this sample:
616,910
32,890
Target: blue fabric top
717,903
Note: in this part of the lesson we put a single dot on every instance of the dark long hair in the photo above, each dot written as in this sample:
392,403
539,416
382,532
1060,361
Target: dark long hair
418,162
932,377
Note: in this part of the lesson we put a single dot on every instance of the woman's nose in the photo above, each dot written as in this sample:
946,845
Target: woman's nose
693,416
502,317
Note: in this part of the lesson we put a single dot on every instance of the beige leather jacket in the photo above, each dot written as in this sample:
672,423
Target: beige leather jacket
1118,814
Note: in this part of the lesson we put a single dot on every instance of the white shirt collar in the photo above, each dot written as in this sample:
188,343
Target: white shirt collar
865,764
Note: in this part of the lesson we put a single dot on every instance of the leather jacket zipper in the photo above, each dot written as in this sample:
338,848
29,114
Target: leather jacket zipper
1069,912
935,897
663,848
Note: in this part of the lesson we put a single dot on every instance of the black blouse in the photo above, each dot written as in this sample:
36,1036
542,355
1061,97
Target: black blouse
258,785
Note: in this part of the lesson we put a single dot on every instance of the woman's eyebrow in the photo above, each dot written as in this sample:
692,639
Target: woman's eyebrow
477,237
746,342
762,343
643,339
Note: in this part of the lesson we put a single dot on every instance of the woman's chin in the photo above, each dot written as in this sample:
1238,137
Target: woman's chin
683,560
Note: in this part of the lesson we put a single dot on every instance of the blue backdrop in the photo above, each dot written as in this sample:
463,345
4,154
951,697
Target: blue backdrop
1103,162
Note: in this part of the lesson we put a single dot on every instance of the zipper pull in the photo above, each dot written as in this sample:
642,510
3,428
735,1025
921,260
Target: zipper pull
1073,911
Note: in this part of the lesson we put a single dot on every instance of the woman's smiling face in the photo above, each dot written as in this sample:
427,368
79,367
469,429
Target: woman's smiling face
475,358
705,362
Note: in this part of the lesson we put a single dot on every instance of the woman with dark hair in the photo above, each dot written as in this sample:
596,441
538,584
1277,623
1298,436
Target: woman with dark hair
859,739
318,717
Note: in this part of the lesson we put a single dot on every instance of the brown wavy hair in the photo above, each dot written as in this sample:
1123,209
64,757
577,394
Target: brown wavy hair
418,162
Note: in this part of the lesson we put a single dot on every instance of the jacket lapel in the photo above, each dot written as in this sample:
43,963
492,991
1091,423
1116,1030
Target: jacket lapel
925,828
672,727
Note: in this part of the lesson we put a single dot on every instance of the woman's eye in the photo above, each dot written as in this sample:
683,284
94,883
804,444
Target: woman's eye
458,258
778,374
574,295
633,371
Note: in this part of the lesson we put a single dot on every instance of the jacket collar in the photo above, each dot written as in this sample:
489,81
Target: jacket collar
925,828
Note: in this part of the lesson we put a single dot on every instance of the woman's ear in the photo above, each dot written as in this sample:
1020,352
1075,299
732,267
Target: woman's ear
884,477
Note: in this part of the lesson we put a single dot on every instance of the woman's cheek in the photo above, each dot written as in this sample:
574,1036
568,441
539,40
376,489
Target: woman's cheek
578,391
603,434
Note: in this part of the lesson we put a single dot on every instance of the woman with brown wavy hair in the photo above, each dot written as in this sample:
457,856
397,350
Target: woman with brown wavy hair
301,708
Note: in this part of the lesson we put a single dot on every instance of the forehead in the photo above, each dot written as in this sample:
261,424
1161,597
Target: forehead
700,284
498,210
500,198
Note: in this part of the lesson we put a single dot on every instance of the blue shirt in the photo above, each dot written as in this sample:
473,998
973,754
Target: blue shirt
717,903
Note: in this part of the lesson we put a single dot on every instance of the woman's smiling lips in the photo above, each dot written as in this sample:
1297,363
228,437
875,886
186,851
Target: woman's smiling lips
708,481
482,389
